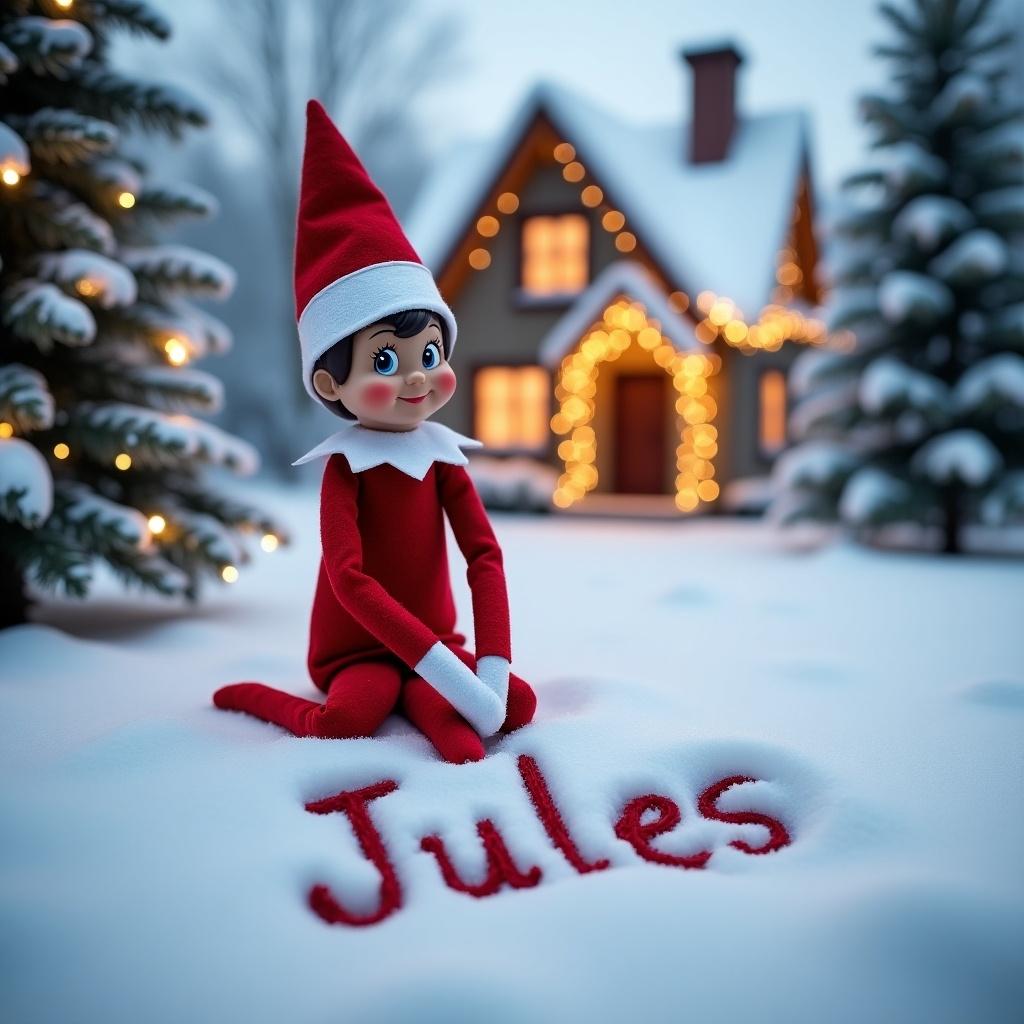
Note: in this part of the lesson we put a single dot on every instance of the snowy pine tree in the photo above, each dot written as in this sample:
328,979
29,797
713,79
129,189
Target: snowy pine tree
921,420
100,457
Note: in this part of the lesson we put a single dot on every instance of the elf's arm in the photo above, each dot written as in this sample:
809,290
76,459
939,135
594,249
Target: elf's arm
389,620
485,574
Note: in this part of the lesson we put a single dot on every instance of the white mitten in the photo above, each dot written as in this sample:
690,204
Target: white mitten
493,670
456,682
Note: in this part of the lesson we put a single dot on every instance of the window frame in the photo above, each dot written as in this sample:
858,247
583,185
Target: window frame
523,299
511,364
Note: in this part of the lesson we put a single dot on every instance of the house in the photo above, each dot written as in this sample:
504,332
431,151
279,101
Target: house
631,295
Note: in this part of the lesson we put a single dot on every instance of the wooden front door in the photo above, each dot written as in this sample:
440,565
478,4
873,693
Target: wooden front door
640,410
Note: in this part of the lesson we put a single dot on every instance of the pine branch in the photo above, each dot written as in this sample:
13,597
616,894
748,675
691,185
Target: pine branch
135,16
49,557
41,313
47,47
169,202
25,400
65,136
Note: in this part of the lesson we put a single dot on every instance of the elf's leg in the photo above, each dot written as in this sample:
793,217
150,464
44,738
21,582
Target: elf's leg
522,701
452,736
360,697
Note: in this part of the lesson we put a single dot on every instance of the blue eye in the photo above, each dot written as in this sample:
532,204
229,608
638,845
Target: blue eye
385,361
431,356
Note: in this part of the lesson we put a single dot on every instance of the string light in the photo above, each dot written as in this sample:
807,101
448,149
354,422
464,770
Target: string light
6,429
123,461
269,542
126,200
573,172
508,202
61,451
177,353
488,226
479,259
10,176
87,288
229,574
591,196
564,152
613,221
625,323
625,242
157,524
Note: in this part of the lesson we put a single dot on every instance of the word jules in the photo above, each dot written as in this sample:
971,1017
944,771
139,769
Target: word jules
642,819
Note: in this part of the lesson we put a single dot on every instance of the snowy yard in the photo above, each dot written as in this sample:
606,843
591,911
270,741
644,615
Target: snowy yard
157,855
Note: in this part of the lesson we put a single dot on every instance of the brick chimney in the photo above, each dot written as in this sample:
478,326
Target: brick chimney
714,101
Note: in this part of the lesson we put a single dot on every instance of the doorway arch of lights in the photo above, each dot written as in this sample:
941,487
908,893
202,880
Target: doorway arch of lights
625,323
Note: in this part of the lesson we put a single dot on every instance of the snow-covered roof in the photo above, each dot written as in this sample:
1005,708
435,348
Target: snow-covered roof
623,277
715,226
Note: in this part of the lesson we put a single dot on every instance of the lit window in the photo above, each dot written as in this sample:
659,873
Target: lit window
511,404
773,411
555,254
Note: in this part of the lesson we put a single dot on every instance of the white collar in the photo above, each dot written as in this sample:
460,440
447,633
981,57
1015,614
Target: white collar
411,451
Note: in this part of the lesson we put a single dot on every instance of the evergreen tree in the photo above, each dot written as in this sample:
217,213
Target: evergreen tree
99,455
921,419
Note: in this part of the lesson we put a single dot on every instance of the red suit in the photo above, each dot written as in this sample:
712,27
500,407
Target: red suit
384,598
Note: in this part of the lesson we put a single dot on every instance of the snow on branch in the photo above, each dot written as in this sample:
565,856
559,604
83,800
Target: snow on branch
168,388
8,63
992,385
95,277
13,151
168,271
961,97
971,259
25,400
48,46
907,167
814,464
873,495
179,200
815,366
97,523
205,536
66,136
136,16
828,411
26,485
931,220
116,175
907,296
889,386
1005,502
41,313
106,93
964,456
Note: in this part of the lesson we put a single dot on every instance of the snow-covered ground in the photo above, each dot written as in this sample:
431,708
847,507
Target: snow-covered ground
156,854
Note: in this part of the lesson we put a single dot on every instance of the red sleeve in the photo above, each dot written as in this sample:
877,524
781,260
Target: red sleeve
361,595
484,569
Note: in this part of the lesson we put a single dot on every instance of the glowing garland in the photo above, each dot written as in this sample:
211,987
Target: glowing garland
624,324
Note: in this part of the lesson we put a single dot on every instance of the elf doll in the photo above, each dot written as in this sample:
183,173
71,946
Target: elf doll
376,340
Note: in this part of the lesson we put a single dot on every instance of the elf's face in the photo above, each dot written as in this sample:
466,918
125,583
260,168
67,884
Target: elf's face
394,383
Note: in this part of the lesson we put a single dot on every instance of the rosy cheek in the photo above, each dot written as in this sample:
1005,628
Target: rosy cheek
378,394
446,382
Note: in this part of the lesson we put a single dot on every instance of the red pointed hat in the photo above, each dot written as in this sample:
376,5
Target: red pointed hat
353,264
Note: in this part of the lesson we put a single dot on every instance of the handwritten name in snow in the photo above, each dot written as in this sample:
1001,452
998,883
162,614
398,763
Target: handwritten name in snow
642,819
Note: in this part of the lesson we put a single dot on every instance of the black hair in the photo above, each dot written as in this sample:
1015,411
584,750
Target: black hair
337,360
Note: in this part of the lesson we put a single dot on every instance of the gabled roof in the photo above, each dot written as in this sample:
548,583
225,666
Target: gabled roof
714,227
621,278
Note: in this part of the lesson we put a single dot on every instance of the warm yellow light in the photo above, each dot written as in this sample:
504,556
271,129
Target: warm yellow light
86,287
10,176
592,196
735,332
679,301
720,313
269,542
6,429
508,202
177,353
61,451
707,490
625,242
573,172
157,524
564,152
613,221
479,259
65,4
126,200
488,226
705,301
229,574
123,461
